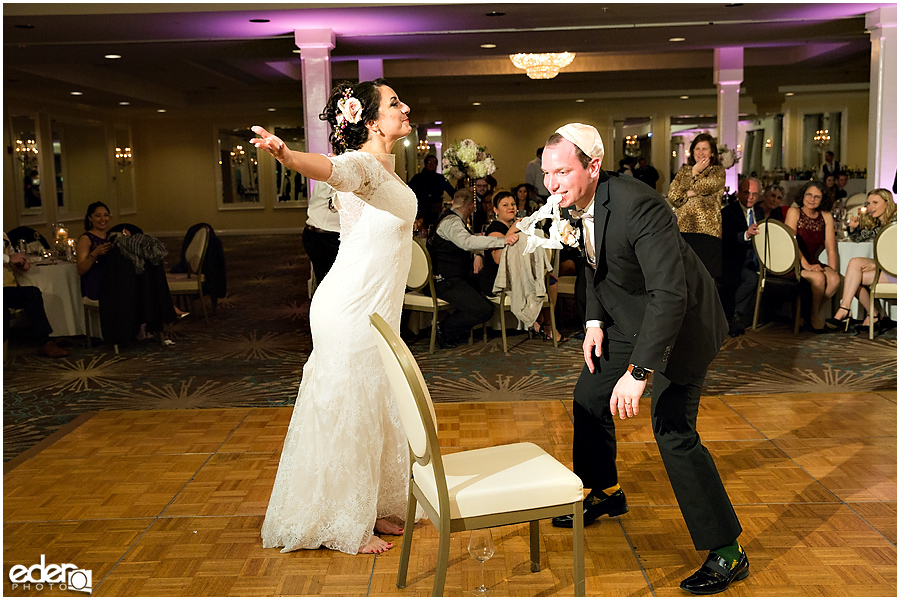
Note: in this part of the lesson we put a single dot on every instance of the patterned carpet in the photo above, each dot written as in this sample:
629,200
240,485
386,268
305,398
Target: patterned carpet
253,352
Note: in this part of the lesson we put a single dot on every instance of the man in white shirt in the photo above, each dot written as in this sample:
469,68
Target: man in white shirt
451,247
535,176
321,235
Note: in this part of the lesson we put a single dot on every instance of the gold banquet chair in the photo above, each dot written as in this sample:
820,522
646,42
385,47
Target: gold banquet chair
190,284
473,489
503,305
885,262
778,254
420,295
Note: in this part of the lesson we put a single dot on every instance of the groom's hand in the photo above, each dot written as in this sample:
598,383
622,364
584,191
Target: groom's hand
592,345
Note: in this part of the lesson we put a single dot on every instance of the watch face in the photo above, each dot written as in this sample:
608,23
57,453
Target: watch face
639,373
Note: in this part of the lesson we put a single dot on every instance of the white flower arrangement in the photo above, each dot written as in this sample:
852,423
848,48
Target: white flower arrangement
728,157
467,159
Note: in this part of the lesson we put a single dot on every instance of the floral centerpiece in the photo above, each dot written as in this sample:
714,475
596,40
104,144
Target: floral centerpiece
466,159
728,157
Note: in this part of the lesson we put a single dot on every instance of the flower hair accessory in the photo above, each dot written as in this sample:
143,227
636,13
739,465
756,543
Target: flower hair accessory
350,107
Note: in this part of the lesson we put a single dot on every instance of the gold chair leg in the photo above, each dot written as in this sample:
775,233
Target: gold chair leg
503,322
443,557
535,536
407,539
578,548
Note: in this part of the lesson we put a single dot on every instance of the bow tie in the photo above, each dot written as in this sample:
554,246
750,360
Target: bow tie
580,214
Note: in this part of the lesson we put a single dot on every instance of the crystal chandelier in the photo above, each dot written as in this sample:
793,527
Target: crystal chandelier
542,66
821,139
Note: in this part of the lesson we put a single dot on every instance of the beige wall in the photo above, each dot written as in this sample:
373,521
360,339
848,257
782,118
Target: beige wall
175,156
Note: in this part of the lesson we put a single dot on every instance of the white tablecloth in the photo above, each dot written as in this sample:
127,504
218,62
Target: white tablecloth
60,286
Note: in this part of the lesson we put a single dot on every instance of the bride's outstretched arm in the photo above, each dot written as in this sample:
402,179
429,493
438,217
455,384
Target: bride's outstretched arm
314,166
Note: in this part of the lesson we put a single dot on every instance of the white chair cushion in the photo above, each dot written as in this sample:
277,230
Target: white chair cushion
180,283
419,300
565,285
496,300
92,303
501,479
882,290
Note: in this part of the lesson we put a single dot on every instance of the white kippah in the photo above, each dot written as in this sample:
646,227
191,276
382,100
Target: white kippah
585,137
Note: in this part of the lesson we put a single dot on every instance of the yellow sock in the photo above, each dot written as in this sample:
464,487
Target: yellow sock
612,490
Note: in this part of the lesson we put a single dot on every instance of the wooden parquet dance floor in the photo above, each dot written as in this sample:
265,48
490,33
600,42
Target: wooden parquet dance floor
170,503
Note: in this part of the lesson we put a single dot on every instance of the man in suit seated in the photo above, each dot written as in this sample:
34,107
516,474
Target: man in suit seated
652,310
451,246
739,263
28,299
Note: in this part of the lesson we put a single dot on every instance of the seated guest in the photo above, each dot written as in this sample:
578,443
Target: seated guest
881,210
814,228
841,182
830,191
526,199
483,214
771,203
455,271
506,209
28,299
91,248
739,263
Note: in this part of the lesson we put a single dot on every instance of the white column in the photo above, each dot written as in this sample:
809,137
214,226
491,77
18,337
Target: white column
728,74
881,167
371,69
315,59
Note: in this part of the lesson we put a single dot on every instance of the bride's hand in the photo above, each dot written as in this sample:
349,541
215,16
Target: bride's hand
270,143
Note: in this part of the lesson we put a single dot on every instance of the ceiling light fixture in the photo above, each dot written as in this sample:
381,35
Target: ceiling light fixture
580,100
684,97
488,46
124,103
476,104
542,66
676,39
160,110
789,94
112,56
76,93
271,110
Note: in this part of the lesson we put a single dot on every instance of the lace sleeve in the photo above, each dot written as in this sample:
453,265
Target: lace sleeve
351,173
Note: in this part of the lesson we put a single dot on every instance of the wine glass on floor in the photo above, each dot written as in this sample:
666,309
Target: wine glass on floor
481,548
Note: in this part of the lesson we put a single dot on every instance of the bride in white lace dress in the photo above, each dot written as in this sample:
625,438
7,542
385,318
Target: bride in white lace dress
344,469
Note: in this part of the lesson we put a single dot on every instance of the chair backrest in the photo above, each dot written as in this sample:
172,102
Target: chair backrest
419,266
886,249
856,200
412,397
776,247
196,250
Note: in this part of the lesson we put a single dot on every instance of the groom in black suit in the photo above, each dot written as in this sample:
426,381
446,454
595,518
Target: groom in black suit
651,310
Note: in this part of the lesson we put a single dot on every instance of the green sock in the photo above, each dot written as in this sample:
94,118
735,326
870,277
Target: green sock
731,553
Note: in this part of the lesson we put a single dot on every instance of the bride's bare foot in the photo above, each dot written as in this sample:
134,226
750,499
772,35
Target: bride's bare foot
375,545
388,527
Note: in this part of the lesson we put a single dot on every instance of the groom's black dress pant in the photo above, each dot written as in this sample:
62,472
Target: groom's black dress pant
701,496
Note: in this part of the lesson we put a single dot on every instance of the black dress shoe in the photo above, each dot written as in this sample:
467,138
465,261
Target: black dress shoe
715,576
594,506
443,342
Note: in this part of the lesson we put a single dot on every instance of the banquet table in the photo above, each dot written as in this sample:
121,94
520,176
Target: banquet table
847,250
60,286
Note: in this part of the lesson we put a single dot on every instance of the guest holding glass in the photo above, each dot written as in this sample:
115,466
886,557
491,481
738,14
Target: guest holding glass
696,194
880,211
814,228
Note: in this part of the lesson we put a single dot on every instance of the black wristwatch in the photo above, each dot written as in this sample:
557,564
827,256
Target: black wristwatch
639,373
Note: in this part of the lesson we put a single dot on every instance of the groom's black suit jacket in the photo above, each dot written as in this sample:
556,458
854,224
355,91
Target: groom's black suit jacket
649,284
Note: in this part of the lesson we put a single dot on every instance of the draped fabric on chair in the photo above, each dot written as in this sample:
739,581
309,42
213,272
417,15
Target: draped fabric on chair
779,264
885,262
523,282
473,489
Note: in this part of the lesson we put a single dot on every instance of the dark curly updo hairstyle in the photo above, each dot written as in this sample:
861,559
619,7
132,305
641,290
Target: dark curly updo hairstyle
347,135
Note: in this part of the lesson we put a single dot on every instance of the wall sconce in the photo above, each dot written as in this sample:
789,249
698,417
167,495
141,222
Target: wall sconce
423,147
768,145
123,158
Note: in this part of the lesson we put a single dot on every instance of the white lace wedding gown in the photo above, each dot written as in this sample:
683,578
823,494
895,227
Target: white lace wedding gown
345,460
